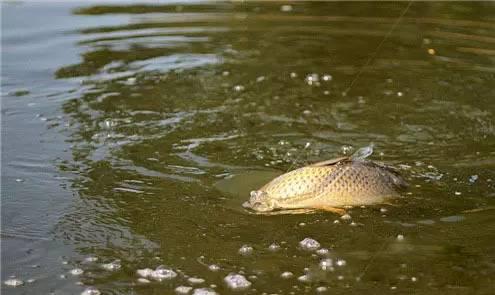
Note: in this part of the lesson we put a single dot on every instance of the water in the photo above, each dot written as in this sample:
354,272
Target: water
133,134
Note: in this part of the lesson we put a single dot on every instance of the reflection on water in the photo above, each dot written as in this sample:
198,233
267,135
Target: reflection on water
185,108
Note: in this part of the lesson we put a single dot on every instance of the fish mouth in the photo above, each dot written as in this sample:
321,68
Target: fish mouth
259,202
257,206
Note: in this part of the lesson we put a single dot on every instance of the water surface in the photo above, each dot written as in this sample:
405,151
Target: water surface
132,134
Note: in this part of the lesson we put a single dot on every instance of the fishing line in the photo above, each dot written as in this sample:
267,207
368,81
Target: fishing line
363,67
372,57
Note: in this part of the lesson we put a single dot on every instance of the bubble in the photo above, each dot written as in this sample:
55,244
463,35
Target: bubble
162,273
90,259
414,279
322,251
274,247
341,262
91,291
327,77
293,75
246,250
313,79
473,178
146,272
214,267
309,244
159,274
431,51
400,237
112,266
143,281
321,289
183,290
195,281
260,79
225,73
399,94
30,281
238,88
286,8
13,282
76,272
286,275
458,193
19,180
204,291
346,217
326,92
131,81
304,278
326,264
306,112
237,281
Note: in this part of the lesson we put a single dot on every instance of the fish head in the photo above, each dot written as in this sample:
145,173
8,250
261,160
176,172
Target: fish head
260,201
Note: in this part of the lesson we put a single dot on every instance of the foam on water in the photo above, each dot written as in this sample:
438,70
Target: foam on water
91,291
159,274
286,275
112,266
13,282
204,291
76,272
246,250
237,281
274,247
183,290
326,264
309,244
195,281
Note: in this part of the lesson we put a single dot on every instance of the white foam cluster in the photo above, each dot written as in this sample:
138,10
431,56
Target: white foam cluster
90,259
341,262
159,274
304,278
195,281
322,251
13,282
309,244
346,217
286,275
112,266
326,264
91,291
274,247
321,289
204,291
237,281
183,290
76,272
246,250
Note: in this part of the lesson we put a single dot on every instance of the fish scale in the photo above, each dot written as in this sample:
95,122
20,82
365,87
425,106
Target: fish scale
333,183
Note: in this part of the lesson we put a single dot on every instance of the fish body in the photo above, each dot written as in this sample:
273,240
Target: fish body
329,184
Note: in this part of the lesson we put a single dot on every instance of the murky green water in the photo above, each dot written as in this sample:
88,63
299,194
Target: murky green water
134,133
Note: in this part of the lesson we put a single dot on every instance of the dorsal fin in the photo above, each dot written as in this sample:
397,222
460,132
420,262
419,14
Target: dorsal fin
329,162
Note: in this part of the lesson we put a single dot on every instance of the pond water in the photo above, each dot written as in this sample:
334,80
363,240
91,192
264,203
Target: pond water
131,135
